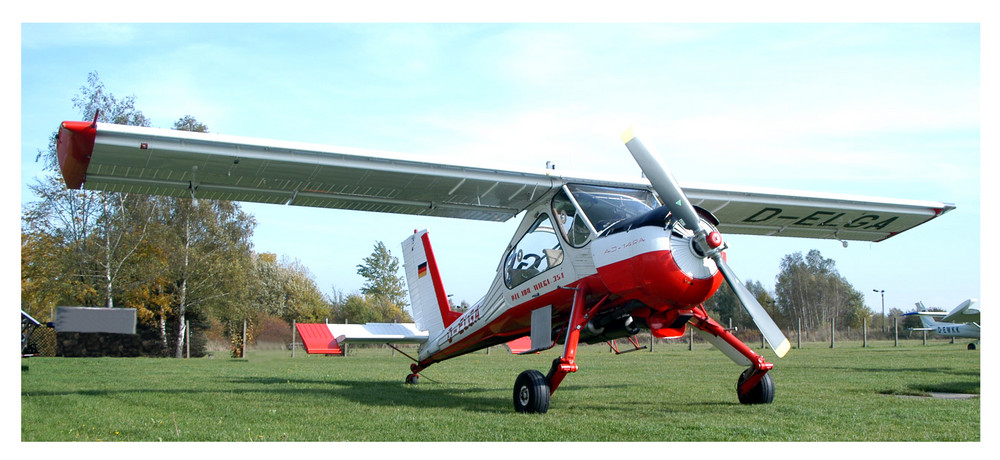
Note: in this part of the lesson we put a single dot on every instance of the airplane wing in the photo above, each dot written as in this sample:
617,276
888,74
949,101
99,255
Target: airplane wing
966,312
109,157
932,314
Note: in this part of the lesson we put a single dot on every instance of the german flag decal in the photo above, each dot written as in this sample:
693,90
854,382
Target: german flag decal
422,270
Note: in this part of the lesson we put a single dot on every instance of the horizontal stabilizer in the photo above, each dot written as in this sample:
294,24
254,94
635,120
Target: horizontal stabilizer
519,346
317,338
377,333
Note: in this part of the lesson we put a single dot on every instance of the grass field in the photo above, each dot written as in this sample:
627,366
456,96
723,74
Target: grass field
848,393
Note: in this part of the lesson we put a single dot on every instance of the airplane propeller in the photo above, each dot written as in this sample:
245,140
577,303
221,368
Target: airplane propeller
710,243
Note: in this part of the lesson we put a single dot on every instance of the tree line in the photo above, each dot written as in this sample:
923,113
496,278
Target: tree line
173,259
808,292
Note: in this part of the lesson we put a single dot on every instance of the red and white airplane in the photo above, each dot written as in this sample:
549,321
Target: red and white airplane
594,259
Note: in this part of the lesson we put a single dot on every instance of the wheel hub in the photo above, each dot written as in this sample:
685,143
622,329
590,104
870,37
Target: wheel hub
523,395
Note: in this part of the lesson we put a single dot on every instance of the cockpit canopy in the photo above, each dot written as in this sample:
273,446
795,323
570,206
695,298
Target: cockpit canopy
590,209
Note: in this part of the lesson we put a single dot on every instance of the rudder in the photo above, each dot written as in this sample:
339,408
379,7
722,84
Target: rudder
431,311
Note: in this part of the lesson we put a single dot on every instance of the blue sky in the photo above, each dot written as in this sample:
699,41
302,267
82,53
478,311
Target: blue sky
888,110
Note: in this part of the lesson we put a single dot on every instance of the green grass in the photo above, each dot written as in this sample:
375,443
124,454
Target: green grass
844,394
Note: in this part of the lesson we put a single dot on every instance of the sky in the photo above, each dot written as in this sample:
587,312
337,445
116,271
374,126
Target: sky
879,109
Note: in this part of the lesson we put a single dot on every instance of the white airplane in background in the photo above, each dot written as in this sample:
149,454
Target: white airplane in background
962,321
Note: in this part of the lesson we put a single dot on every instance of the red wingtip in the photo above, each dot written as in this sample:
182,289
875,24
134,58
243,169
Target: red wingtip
74,148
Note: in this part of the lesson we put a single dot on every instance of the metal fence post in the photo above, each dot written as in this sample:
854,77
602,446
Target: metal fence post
833,330
293,338
895,331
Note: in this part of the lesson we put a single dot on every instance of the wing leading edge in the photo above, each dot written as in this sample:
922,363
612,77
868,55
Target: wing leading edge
109,157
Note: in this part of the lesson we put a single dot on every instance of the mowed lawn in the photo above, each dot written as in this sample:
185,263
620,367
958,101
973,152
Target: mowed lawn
848,393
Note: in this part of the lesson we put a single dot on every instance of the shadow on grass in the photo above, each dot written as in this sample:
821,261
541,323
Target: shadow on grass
949,387
928,370
365,392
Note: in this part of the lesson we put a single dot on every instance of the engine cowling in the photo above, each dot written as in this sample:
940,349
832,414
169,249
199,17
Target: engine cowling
658,267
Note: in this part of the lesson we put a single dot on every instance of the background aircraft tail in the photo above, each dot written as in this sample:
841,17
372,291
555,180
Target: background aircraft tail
431,310
927,320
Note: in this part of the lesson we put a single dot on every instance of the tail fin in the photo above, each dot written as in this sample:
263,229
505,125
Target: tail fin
431,311
927,321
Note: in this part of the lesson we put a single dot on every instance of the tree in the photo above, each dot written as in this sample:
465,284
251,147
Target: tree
369,308
98,231
810,288
380,271
727,306
287,290
189,123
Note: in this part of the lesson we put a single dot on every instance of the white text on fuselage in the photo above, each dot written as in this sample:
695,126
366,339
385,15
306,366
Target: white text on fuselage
463,323
538,285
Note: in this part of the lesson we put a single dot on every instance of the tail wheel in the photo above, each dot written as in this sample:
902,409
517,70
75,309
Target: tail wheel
972,346
762,393
412,379
531,393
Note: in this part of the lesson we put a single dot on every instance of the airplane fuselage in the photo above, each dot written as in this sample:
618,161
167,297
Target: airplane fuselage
966,330
633,275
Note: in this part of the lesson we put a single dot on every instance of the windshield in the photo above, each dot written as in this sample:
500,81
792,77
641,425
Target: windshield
606,205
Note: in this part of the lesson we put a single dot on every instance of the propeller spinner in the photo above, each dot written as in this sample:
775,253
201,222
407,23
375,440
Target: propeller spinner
711,244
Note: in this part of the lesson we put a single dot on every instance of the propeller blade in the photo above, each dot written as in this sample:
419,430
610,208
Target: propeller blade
668,189
663,182
775,338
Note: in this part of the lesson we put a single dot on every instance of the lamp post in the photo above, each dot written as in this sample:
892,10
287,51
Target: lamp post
883,307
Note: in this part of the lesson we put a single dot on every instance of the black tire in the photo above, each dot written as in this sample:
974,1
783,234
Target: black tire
762,393
972,346
531,393
412,379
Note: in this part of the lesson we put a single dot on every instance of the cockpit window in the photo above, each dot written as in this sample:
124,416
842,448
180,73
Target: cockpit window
537,251
571,221
605,206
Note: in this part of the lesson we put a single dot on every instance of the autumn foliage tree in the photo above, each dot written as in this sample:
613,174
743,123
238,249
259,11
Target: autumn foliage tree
810,287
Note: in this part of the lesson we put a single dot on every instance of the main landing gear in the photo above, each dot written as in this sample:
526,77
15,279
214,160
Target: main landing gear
531,393
761,393
532,390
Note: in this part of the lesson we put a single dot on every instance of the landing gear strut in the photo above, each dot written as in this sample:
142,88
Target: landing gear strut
532,390
755,385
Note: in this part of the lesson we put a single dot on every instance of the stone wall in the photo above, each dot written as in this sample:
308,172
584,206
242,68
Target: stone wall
94,344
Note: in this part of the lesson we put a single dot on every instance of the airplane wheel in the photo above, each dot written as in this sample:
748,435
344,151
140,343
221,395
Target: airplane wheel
531,393
972,346
763,393
412,379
